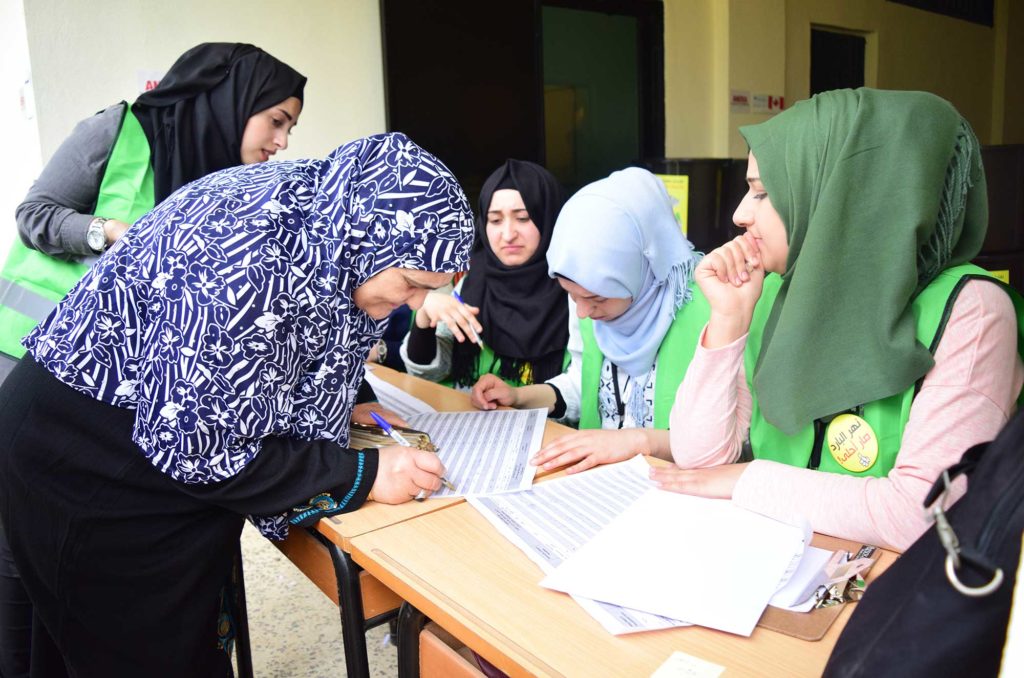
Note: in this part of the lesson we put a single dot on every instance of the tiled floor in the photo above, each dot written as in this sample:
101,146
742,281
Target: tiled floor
295,628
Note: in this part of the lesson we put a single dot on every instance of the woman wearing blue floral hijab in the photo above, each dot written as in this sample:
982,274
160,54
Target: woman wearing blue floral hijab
205,369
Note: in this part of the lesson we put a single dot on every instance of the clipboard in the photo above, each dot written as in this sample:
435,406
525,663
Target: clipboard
364,435
811,625
815,624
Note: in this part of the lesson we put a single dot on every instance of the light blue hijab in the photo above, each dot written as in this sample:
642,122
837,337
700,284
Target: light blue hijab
618,238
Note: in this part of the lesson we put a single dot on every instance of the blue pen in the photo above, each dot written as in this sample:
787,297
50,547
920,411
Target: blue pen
476,337
400,439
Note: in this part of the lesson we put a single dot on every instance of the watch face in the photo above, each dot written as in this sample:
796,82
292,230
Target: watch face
96,239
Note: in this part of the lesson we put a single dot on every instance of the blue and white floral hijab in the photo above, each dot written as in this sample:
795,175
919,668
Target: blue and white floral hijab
225,315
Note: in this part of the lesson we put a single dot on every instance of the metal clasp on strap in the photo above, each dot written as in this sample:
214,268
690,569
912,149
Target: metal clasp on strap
955,557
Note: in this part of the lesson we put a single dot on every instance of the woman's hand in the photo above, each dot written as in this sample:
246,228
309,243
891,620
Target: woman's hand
404,472
716,482
459,318
113,230
590,448
731,277
490,391
361,415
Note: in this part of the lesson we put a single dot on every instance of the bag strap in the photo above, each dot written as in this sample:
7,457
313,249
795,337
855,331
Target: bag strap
968,462
959,556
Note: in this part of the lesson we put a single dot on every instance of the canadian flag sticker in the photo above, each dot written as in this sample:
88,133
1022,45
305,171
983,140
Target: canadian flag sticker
767,103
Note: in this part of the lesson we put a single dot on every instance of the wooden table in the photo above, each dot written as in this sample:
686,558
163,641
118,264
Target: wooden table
323,553
455,568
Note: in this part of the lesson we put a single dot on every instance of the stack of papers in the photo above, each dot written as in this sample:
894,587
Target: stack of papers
550,521
637,558
720,564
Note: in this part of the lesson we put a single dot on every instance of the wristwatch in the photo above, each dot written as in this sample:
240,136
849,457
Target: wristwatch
382,351
96,237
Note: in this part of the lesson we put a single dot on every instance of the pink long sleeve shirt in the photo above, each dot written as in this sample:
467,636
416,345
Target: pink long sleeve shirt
965,399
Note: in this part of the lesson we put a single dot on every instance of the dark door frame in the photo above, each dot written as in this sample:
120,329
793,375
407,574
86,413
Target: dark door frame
650,15
528,129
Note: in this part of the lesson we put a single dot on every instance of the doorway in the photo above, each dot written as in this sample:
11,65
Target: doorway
837,59
470,82
603,97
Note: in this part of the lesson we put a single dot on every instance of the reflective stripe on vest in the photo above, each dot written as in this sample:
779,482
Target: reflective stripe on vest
674,356
888,416
31,283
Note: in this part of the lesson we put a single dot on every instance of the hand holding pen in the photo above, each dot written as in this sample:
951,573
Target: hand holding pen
472,330
400,439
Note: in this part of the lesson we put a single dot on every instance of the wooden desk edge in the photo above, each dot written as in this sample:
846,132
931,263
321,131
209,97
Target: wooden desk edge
510,657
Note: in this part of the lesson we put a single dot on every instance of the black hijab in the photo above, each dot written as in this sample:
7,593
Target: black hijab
195,117
524,312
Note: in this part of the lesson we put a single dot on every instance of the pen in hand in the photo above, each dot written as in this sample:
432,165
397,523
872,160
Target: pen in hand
472,330
400,439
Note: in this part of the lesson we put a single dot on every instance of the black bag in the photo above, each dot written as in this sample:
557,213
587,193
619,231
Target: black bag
943,607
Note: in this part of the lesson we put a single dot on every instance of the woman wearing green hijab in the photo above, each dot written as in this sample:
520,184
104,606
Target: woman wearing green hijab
850,343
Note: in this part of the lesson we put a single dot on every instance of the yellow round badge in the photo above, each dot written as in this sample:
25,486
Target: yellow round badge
852,442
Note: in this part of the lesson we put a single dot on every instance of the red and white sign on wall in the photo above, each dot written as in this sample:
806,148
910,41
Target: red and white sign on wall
767,103
739,101
147,79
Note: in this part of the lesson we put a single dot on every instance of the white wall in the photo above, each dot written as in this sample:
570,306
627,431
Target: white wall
20,137
757,59
696,78
86,55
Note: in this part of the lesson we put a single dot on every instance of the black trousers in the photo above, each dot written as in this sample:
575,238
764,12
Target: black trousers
123,569
15,617
15,605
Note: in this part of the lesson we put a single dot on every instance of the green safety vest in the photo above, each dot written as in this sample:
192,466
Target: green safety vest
31,283
888,416
488,363
674,356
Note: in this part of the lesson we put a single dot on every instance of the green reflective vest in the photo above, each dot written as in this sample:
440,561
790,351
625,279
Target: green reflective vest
31,283
888,416
488,363
674,356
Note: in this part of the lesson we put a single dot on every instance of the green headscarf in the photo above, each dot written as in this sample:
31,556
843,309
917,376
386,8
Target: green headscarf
879,192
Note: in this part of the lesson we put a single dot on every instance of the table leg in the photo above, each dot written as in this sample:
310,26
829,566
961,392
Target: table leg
350,598
410,623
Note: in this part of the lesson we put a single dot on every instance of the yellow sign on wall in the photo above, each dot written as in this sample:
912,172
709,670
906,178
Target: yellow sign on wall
678,186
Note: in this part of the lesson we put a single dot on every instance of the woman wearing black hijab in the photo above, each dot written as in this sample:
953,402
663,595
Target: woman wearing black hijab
219,105
196,118
512,320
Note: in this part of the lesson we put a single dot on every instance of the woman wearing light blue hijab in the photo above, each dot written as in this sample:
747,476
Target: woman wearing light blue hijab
633,324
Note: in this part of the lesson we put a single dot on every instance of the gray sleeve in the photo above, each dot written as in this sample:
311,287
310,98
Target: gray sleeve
55,215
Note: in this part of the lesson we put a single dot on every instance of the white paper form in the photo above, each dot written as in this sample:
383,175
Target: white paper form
682,665
797,593
549,521
725,562
485,452
395,399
